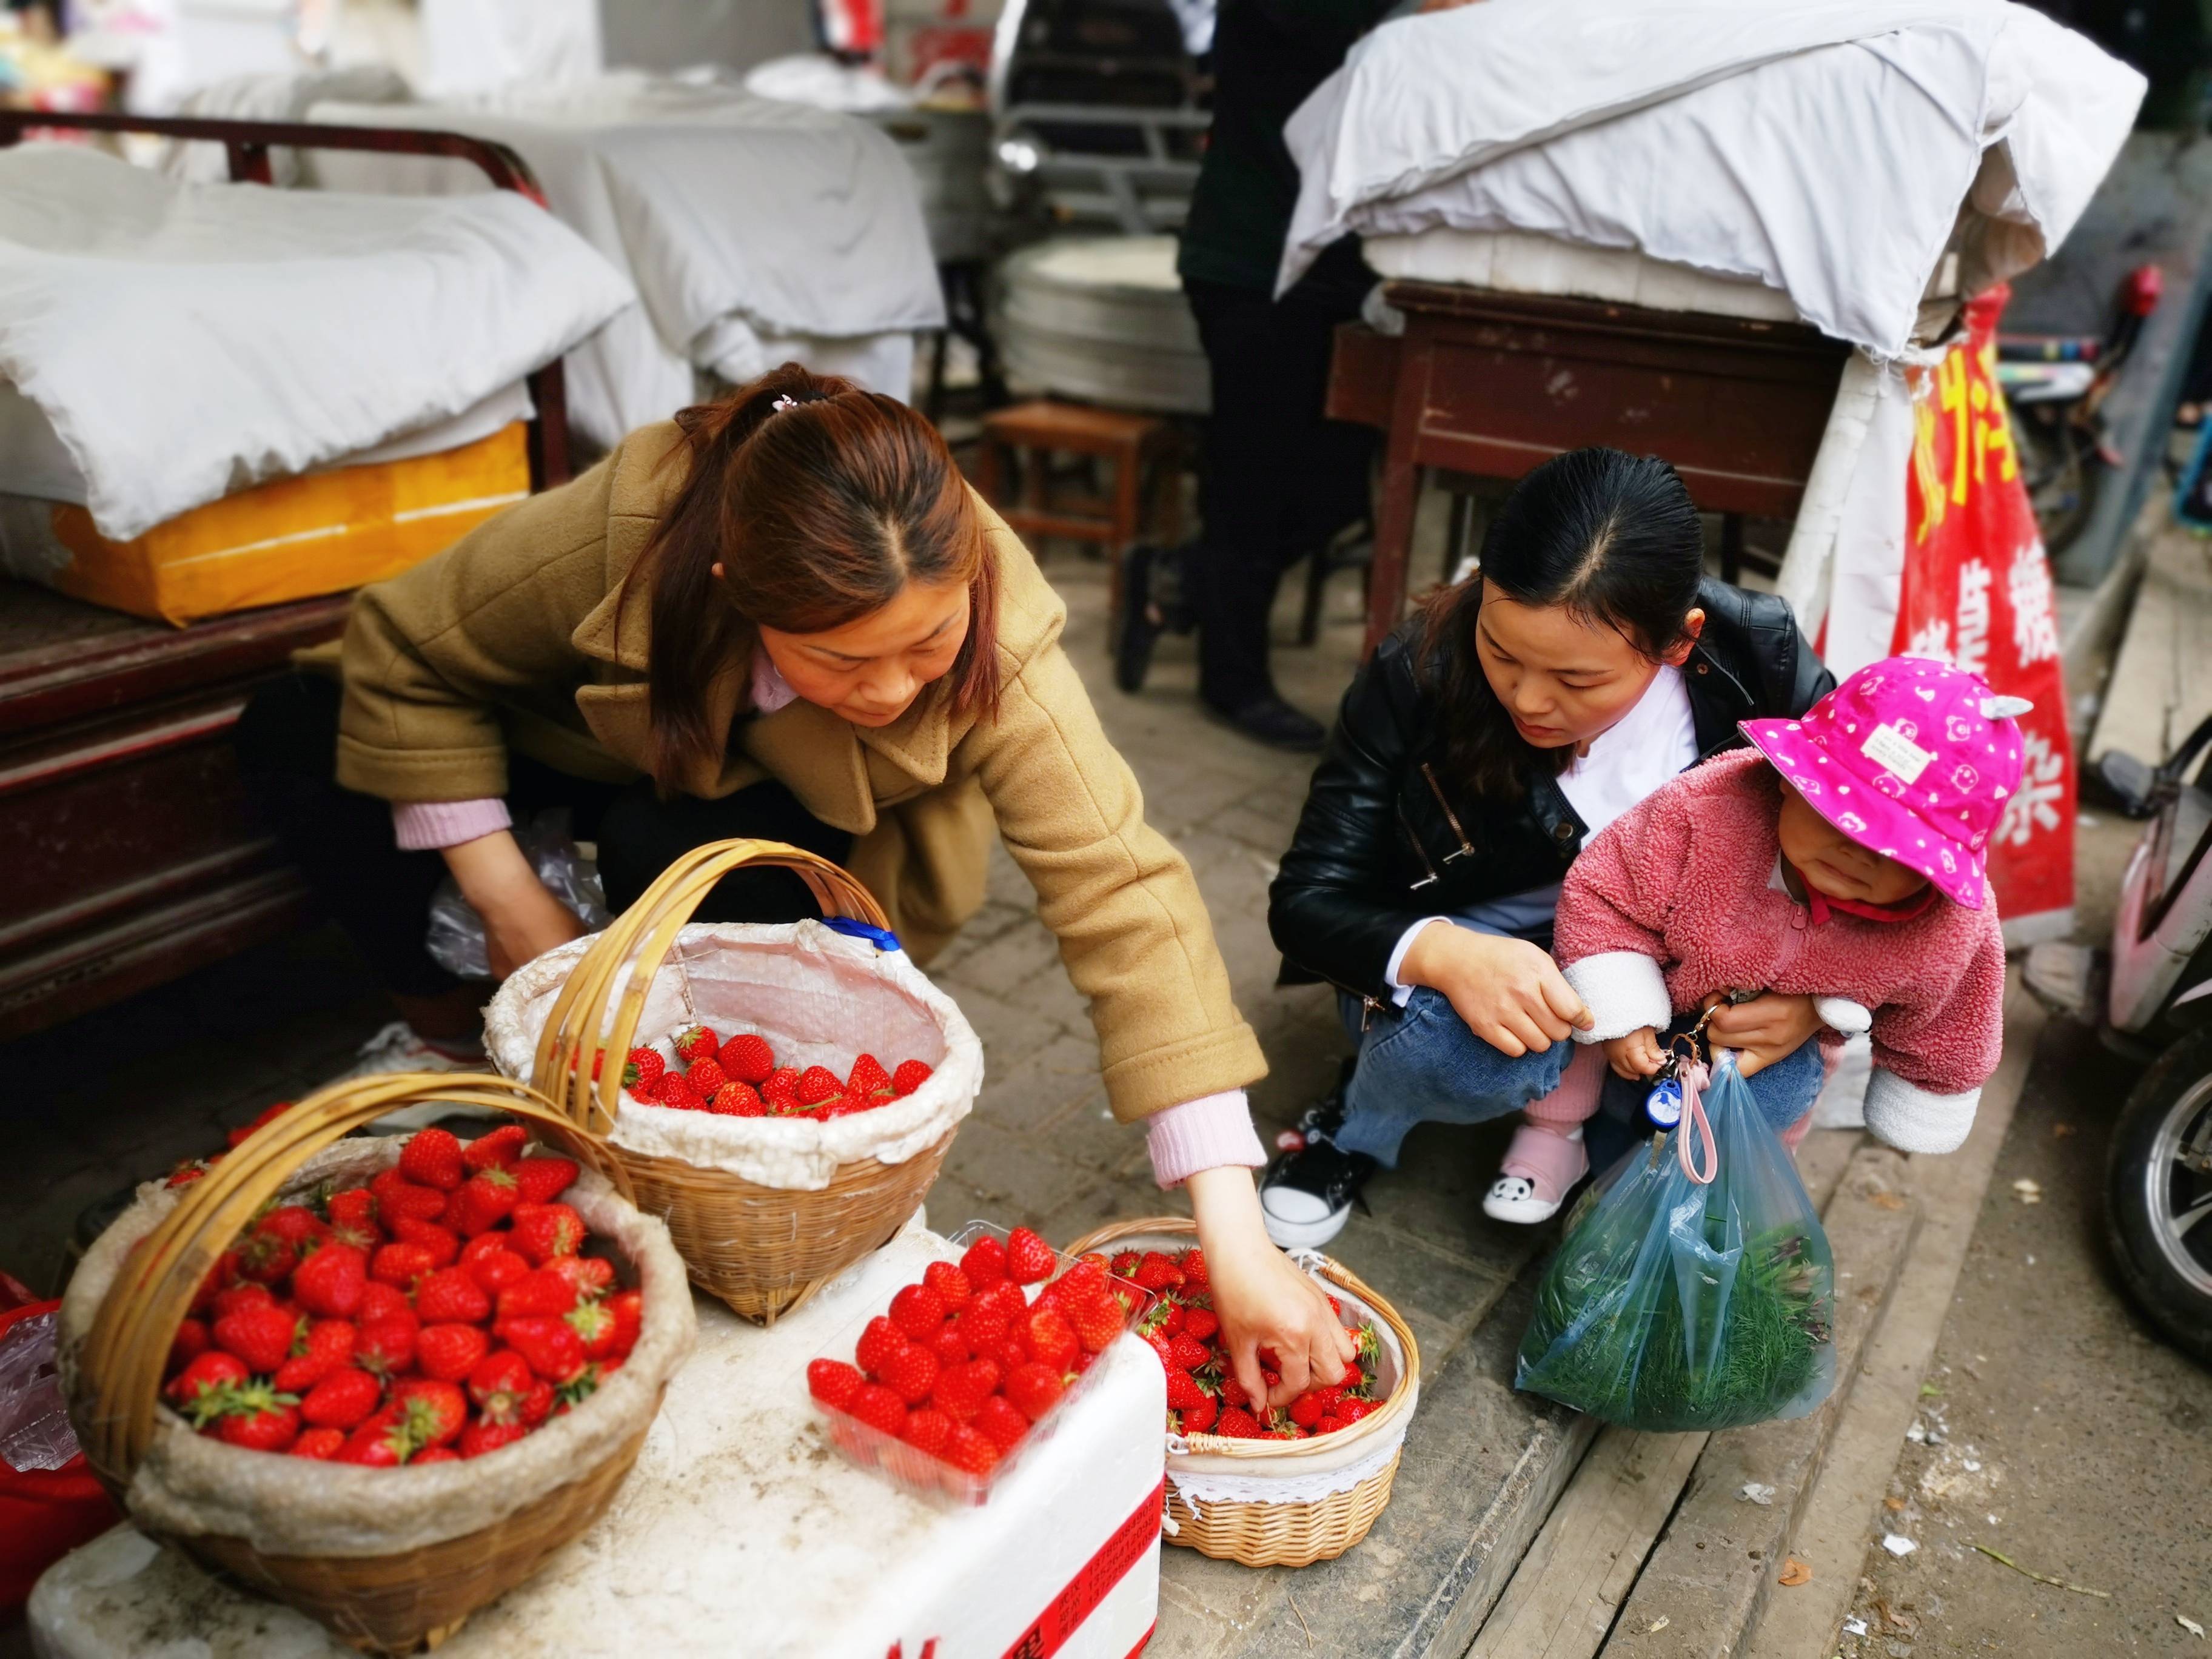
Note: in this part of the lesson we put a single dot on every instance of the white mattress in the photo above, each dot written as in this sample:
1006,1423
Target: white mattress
1526,262
34,462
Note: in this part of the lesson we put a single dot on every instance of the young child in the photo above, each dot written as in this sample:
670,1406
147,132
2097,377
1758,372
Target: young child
1842,857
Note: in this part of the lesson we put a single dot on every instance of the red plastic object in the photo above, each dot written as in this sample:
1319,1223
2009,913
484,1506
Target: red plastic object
2144,286
43,1513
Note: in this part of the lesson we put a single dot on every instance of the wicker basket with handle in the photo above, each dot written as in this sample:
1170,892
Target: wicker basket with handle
762,1250
415,1550
1251,1528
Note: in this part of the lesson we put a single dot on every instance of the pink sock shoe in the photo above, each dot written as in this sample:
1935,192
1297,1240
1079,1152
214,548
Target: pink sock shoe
1538,1168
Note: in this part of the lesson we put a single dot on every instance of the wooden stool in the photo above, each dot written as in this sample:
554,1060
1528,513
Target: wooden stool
1144,451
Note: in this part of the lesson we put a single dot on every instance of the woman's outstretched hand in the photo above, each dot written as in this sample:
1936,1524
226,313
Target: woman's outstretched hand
1511,992
1261,1297
1767,1028
521,917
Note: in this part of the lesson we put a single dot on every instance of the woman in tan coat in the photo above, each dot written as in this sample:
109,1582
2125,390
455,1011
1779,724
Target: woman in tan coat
784,616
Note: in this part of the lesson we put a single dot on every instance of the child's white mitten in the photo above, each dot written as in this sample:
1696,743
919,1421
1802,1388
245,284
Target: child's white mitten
1916,1120
1842,1014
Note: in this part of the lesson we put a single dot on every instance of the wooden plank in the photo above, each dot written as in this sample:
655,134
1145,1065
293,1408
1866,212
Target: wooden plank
1563,1597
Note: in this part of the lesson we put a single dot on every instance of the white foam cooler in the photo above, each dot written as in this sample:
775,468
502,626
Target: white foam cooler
742,1530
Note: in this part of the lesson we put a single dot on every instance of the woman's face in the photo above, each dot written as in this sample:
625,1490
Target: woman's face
869,670
1564,680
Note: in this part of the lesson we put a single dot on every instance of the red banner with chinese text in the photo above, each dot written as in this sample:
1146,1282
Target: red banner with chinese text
1977,593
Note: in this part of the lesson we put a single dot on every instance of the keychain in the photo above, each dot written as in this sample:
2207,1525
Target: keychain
1663,1105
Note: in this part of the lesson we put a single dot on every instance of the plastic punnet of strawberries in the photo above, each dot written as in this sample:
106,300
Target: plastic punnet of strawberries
442,1311
1204,1396
966,1360
740,1079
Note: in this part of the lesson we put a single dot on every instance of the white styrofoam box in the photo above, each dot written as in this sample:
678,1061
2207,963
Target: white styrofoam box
742,1529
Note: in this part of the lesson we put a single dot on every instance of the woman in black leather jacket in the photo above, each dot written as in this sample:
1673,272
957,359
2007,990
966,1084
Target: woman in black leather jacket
1587,661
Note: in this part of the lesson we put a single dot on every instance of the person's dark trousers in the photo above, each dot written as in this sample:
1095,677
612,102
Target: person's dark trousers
1280,479
342,842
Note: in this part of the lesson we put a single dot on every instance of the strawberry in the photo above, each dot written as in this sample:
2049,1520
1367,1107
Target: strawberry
327,1345
353,1210
1050,1338
554,1351
450,1351
1157,1272
189,1342
499,1385
256,1417
451,1296
1172,1319
1232,1391
1193,1263
833,1382
910,1373
443,1244
494,1267
961,1391
382,1443
1305,1411
265,1258
983,1325
642,1069
228,1302
331,1281
1183,1391
237,1137
780,1088
1188,1353
482,1436
495,1149
1124,1266
627,1307
1098,1320
950,1285
880,1341
208,1375
910,1075
260,1334
437,1454
542,1179
482,1201
395,1195
538,1295
386,1347
918,1311
342,1400
1006,1297
879,1407
592,1275
697,1043
928,1428
321,1445
867,1076
432,1157
1200,1323
968,1451
950,1346
1350,1411
737,1100
382,1302
297,1224
401,1265
436,1412
747,1058
542,1231
705,1076
817,1084
1198,1417
840,1105
1029,1260
1354,1376
1159,1347
1035,1388
595,1325
1008,1352
677,1093
217,1280
1237,1424
1001,1422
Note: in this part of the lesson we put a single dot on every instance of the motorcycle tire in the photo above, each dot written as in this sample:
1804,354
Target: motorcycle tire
2169,1113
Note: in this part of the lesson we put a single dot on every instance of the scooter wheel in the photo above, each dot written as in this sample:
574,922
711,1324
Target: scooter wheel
2158,1187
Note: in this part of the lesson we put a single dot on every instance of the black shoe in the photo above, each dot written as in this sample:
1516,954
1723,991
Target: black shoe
1307,1195
1268,718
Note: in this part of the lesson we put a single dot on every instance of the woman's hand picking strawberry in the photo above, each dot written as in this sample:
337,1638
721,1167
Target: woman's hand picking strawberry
1261,1297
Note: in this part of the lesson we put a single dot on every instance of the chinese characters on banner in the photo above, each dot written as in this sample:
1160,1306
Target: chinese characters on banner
1977,593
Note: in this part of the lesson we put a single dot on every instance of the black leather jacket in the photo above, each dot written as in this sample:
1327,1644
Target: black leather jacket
1375,849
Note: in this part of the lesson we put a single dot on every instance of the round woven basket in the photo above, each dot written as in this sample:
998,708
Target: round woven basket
392,1603
762,1249
1296,1534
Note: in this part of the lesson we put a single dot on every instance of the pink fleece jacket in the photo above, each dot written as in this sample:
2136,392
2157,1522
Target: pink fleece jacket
1674,901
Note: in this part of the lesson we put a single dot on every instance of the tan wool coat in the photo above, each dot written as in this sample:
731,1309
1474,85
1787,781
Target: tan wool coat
515,637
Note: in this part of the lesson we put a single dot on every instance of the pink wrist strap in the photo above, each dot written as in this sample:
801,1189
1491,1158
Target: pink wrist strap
1204,1133
423,826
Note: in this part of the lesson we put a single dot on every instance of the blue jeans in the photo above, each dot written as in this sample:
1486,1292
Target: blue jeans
1420,1064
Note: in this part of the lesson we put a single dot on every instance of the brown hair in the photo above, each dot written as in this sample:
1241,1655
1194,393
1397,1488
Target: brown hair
820,511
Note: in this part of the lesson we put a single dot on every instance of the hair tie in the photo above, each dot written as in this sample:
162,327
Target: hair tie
782,403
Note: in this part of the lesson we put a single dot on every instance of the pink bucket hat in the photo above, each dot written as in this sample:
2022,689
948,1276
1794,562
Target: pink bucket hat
1912,759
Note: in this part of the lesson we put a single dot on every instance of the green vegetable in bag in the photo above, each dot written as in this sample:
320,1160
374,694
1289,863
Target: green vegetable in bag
1689,1297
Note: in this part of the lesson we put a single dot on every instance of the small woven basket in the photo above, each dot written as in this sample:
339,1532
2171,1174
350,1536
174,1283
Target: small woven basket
1295,1533
763,1250
388,1603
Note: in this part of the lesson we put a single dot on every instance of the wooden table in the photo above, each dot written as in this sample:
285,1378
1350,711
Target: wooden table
1492,385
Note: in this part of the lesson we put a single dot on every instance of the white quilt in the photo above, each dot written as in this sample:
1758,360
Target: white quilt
186,340
754,229
1824,148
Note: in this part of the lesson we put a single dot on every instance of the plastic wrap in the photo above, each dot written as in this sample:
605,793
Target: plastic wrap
456,937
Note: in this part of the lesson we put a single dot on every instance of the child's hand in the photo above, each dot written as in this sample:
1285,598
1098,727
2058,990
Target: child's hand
1637,1055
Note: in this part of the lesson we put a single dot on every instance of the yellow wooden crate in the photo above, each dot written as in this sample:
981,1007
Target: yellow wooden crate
294,537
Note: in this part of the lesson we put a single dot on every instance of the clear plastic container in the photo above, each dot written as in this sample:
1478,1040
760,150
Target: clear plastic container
924,1475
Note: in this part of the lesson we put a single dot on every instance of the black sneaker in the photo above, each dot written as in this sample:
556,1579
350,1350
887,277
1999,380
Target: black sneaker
1307,1194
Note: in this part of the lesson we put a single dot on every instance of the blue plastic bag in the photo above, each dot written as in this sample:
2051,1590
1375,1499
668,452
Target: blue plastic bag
1697,1292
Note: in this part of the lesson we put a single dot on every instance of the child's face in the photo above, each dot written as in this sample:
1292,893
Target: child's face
1837,865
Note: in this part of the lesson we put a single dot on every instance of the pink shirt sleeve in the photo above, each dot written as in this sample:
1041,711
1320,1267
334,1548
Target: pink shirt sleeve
1204,1134
422,826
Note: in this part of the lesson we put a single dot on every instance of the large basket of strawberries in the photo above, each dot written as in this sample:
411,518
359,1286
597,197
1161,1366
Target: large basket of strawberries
378,1380
1286,1488
745,1097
